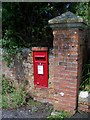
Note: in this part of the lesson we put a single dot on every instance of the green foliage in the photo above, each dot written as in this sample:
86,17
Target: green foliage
12,98
11,46
83,10
85,84
8,40
59,116
29,25
7,86
33,103
9,55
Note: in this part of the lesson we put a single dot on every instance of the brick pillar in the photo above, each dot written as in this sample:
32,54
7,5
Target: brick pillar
68,57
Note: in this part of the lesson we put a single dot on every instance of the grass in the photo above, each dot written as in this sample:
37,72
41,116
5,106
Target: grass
11,98
14,99
59,115
33,103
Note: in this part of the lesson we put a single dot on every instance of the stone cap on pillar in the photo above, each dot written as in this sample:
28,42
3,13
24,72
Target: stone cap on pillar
67,20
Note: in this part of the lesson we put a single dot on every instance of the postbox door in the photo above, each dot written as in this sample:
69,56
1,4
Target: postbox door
41,69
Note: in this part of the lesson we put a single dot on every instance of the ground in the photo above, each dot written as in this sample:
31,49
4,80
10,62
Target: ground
41,110
35,111
82,115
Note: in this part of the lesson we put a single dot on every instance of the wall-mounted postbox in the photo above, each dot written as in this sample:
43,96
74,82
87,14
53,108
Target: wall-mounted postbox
40,63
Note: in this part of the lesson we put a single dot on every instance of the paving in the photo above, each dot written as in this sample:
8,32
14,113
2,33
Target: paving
42,111
38,112
81,115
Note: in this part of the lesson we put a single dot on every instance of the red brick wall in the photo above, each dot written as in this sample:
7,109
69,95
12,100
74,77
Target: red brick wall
65,68
84,106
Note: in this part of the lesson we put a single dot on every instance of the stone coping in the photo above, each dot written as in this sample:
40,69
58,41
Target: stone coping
67,20
67,17
68,25
39,48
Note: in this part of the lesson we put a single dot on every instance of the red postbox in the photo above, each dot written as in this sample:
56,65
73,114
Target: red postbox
40,62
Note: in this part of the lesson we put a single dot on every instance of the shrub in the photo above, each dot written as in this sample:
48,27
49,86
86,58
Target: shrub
85,84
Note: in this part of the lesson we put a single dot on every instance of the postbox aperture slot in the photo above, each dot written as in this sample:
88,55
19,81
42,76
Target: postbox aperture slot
40,58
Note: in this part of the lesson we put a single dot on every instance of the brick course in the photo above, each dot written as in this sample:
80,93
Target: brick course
84,104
